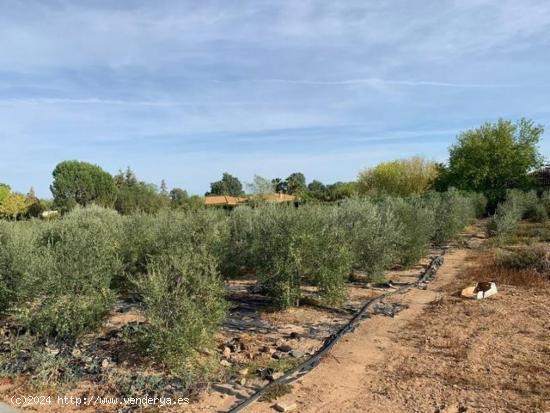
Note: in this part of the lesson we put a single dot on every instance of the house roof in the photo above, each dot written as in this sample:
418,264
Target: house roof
223,200
212,200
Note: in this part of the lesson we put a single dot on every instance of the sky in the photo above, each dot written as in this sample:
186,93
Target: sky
186,90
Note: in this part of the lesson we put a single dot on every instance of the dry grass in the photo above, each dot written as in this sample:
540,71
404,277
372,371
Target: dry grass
525,267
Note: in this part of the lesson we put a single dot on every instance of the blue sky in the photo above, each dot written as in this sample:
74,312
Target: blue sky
185,90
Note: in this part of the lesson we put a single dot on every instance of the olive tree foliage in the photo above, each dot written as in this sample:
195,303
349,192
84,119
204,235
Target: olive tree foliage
518,205
402,177
493,158
172,261
228,185
58,274
184,303
293,246
82,183
372,231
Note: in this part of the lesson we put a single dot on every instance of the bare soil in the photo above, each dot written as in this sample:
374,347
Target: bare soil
443,354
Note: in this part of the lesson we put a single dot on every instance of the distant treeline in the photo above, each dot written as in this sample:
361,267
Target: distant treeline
490,159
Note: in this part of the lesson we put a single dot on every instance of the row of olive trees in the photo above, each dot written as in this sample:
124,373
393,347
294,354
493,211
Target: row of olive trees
59,279
322,244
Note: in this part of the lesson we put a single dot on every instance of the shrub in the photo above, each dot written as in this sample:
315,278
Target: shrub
524,258
545,201
294,246
240,255
19,261
402,177
65,271
183,298
171,232
453,210
536,213
373,233
417,222
479,202
518,205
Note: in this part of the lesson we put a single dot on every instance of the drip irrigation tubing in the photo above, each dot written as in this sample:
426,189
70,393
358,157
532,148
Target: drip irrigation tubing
426,276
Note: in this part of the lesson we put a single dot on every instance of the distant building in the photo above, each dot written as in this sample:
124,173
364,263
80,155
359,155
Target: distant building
231,201
542,175
224,200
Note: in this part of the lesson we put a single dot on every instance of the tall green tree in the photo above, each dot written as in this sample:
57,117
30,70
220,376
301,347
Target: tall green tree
82,183
178,198
401,177
493,158
136,196
228,185
296,183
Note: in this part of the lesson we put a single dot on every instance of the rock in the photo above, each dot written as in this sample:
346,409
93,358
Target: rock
277,375
285,348
225,363
105,363
226,352
278,355
285,407
297,354
243,372
76,352
242,381
228,390
52,351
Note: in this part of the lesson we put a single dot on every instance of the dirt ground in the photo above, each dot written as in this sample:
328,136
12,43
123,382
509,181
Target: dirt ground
443,354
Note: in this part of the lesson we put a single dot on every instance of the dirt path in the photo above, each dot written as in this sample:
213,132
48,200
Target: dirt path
340,382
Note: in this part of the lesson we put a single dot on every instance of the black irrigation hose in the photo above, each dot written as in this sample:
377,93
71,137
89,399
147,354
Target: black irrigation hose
314,360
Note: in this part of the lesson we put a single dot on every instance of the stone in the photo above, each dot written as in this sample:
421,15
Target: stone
228,390
278,355
52,351
297,354
76,352
285,407
105,363
225,363
276,375
243,372
226,352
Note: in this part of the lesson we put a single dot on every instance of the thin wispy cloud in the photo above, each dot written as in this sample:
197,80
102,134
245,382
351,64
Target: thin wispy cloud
185,90
375,82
